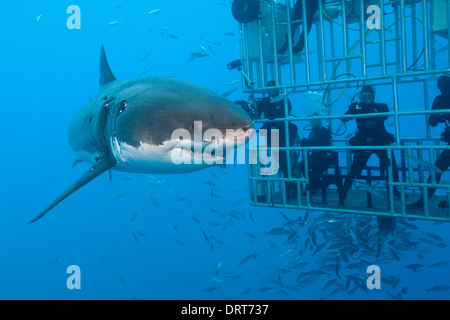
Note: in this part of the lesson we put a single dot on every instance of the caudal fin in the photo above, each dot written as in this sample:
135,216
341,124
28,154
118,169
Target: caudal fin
99,167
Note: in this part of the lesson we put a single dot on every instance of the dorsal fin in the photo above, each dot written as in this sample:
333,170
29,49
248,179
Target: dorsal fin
106,75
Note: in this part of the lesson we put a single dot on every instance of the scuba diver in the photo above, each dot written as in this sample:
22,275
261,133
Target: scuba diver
443,162
273,110
318,160
371,132
312,6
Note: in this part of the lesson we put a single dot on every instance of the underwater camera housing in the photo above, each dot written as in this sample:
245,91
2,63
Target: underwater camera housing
250,106
235,65
238,64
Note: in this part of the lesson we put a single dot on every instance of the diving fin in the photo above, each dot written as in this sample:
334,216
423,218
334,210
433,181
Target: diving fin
97,169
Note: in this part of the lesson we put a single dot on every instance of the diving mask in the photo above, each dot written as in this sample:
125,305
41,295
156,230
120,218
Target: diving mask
366,97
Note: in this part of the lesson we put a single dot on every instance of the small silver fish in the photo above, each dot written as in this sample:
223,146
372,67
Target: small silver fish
145,71
415,267
281,96
210,289
370,189
113,23
210,183
250,235
287,252
276,231
145,56
205,235
229,92
149,30
238,202
120,195
212,41
179,242
247,259
180,197
204,50
211,49
217,279
134,216
141,233
155,203
424,164
246,291
252,218
433,236
156,11
353,234
391,251
195,55
440,264
122,280
231,83
439,288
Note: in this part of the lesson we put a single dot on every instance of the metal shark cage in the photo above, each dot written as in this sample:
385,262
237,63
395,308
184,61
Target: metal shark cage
401,52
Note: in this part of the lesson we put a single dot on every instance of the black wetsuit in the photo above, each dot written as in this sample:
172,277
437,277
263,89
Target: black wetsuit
371,132
312,6
443,161
272,111
318,160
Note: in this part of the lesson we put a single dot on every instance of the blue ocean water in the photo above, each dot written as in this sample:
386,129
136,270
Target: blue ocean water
154,236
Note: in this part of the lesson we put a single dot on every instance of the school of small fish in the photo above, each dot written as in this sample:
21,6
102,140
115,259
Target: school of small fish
342,247
327,249
206,47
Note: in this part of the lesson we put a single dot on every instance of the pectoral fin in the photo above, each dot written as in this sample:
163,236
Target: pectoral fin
97,169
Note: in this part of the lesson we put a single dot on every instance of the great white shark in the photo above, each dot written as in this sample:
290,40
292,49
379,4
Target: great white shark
129,126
